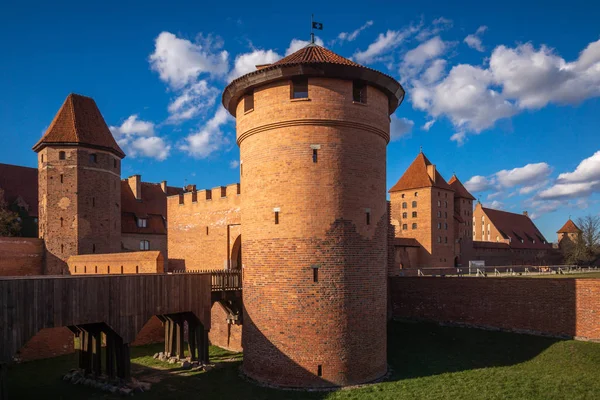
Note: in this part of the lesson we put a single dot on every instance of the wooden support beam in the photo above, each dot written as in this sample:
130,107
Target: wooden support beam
97,351
167,324
206,357
172,331
110,354
179,338
192,339
87,366
126,361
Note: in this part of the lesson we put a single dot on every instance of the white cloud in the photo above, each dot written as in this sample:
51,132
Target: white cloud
384,43
438,25
497,205
534,187
138,139
209,139
474,98
152,147
427,126
535,78
297,44
530,174
474,40
351,36
247,62
582,182
194,99
459,137
233,164
424,52
400,127
180,62
478,183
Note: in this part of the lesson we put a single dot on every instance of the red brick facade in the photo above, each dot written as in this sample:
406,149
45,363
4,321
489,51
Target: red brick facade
314,268
556,307
21,256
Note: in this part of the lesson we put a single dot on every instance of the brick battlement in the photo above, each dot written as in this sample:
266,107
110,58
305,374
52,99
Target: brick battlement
217,193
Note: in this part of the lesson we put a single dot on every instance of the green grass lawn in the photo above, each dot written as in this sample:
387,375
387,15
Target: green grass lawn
427,361
580,275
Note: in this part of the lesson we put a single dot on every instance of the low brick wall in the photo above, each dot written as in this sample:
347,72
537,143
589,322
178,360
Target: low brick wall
152,332
139,262
223,334
21,256
546,306
49,342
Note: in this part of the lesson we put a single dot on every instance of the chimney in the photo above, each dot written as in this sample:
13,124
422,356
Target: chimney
135,183
525,213
431,172
163,186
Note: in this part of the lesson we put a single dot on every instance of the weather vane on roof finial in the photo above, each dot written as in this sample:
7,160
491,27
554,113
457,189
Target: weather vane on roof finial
314,25
420,149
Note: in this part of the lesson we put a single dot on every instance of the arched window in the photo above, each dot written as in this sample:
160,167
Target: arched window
404,205
404,215
61,155
414,203
404,227
414,214
414,225
416,194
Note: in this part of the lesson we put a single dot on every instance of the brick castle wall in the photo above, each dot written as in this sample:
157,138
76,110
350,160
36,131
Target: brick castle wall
295,327
203,227
222,334
131,242
79,204
556,307
21,256
140,262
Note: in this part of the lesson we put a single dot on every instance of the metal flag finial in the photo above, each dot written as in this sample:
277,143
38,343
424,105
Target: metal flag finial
420,149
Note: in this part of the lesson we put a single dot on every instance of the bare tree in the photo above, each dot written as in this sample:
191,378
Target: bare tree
9,220
586,248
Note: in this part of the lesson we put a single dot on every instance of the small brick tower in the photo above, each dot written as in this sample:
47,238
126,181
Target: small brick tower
313,130
79,178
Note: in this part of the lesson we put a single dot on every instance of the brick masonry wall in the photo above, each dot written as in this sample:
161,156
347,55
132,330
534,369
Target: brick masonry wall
152,332
294,326
21,256
141,262
199,225
131,242
555,307
79,204
49,342
223,334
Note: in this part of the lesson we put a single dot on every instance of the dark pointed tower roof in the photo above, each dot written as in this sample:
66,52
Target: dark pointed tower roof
569,227
79,123
459,189
312,60
416,177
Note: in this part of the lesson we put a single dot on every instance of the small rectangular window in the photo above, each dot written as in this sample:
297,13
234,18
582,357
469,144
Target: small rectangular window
93,158
115,163
368,213
404,227
315,274
144,245
142,222
276,217
319,370
300,88
315,155
359,92
61,178
249,101
93,248
61,155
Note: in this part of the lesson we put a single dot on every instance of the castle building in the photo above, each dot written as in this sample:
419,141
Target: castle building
79,174
568,234
312,130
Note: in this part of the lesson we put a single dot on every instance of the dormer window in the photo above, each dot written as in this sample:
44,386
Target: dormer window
299,88
142,222
359,92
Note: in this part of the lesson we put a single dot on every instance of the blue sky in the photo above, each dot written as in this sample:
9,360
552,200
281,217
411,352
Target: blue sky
506,95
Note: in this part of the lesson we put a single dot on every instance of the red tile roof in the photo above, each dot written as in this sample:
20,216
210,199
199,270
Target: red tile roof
459,189
152,206
314,54
519,228
17,181
416,177
569,227
79,122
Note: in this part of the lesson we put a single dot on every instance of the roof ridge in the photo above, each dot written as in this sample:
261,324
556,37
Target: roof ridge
75,127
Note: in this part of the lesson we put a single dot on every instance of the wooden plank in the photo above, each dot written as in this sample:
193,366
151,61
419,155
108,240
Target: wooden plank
3,381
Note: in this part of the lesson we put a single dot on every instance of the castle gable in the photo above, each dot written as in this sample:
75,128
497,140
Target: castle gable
419,175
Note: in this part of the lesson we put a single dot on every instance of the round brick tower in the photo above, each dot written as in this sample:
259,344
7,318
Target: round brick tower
313,130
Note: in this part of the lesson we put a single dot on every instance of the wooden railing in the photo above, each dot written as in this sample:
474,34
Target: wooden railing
221,280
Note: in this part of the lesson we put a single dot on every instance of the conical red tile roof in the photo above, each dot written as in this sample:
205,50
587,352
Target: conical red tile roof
315,54
416,177
569,227
459,189
79,122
